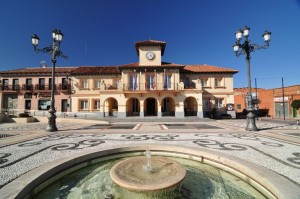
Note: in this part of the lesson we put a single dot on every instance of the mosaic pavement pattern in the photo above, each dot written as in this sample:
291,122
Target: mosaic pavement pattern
281,157
263,125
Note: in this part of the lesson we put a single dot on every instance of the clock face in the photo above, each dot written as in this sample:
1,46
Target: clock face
150,55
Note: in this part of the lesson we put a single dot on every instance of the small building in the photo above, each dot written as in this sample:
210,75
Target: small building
278,102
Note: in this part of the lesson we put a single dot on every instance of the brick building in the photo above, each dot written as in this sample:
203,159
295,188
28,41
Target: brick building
274,100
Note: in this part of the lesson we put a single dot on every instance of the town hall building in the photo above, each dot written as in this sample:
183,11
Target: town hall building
148,87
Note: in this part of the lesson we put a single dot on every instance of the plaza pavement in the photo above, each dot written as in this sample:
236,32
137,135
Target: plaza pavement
24,147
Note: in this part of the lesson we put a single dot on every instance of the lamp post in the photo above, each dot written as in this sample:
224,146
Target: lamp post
54,51
245,49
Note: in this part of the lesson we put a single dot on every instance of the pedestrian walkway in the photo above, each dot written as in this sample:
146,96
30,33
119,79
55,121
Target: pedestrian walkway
276,146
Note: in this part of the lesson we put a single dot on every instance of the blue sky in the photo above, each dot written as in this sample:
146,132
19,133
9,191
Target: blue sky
101,33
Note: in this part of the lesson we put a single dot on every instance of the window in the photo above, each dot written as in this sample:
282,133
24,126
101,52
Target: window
167,81
41,83
219,103
5,84
64,83
188,84
15,84
204,82
83,104
97,84
84,84
96,104
44,104
133,82
238,106
206,104
218,82
150,82
28,84
50,83
115,83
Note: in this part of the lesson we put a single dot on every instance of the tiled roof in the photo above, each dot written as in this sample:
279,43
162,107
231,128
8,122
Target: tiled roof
29,71
150,43
207,69
96,70
136,65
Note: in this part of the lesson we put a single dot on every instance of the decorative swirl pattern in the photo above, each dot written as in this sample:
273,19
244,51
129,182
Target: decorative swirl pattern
166,137
136,137
217,145
212,144
296,159
57,147
3,158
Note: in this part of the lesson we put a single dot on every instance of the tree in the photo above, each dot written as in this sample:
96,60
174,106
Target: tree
296,104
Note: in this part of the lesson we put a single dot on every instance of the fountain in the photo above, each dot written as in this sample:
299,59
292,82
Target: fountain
206,174
147,173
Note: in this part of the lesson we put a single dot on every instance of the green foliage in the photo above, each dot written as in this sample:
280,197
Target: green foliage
296,104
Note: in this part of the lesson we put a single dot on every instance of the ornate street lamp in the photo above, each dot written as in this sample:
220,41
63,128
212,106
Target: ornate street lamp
54,51
245,49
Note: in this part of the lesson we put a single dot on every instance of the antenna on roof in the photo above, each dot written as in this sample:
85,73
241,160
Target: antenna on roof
43,64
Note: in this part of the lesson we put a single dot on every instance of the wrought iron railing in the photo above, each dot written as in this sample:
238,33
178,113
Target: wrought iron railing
149,87
35,87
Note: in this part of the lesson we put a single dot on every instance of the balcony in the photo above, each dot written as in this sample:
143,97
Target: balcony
150,87
35,87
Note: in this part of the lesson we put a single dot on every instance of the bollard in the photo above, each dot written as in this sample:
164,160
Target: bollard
297,122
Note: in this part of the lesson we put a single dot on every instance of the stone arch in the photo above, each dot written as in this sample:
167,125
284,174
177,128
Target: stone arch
190,106
132,107
168,106
111,107
150,107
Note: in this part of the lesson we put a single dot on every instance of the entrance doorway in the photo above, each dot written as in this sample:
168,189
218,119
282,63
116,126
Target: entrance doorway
150,107
64,105
279,112
168,107
27,104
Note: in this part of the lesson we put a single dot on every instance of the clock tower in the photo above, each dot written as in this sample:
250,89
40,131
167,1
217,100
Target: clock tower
150,52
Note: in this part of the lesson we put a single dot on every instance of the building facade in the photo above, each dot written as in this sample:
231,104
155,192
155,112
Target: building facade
280,102
149,87
29,90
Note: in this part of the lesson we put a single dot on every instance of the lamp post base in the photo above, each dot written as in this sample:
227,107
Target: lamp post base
251,126
51,121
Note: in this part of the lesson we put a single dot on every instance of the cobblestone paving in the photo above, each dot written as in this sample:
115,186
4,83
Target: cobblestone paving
277,155
263,125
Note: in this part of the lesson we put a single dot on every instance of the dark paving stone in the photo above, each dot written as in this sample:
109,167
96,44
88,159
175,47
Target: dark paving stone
122,126
293,134
6,135
205,126
97,126
178,126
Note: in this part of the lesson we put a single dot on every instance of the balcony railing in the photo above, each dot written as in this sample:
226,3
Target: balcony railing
35,87
149,87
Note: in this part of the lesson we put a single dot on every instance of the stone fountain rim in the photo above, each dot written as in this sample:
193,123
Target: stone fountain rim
29,184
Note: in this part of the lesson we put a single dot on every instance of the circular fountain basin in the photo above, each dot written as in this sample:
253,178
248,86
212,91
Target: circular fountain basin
131,174
49,177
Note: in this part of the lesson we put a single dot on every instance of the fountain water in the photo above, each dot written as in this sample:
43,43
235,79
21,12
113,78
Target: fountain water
148,166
